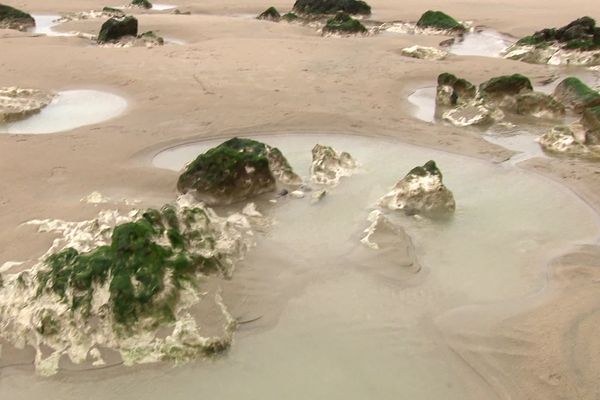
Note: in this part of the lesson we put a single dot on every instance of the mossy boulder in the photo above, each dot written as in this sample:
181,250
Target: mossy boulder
453,91
352,7
12,18
343,23
439,20
575,94
580,34
270,14
506,85
141,4
234,171
117,27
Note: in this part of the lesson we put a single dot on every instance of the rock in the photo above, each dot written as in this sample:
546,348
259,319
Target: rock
297,194
473,114
564,140
234,171
424,53
343,23
150,39
17,103
535,104
141,4
318,195
421,191
453,91
332,7
328,166
439,20
11,18
289,17
270,14
116,28
590,121
496,89
113,12
576,95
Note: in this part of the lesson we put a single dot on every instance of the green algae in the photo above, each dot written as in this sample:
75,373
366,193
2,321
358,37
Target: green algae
141,3
439,20
344,23
332,7
506,85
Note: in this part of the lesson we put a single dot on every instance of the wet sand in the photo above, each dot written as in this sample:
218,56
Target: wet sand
241,76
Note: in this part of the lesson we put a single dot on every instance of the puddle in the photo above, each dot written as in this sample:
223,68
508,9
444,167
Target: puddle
424,101
70,109
483,42
44,24
352,329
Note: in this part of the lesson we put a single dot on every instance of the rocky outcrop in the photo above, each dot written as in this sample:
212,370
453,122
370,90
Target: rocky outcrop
236,170
576,95
422,192
577,43
352,7
17,103
424,53
439,21
328,166
11,18
452,91
270,14
118,27
344,24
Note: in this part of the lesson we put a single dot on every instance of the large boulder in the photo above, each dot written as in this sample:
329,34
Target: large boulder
332,7
328,166
118,27
496,89
234,171
11,18
421,191
17,103
453,91
576,95
270,14
439,20
344,24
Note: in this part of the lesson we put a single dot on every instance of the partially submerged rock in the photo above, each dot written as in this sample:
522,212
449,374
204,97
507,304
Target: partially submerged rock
116,281
421,191
328,166
439,20
424,53
576,95
270,14
343,23
118,27
236,170
17,103
332,7
577,43
141,4
453,91
12,18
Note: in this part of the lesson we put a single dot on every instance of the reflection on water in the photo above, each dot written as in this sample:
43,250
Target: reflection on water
70,109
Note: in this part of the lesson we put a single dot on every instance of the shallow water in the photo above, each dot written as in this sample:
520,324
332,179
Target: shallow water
481,42
335,323
69,110
44,24
162,7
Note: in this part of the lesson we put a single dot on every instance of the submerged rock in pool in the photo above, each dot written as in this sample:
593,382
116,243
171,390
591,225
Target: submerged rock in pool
11,18
118,27
440,21
331,7
576,95
344,24
17,103
424,53
577,43
421,191
270,14
236,170
328,166
118,280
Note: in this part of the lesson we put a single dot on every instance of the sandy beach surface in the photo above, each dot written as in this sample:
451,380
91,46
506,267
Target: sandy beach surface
236,75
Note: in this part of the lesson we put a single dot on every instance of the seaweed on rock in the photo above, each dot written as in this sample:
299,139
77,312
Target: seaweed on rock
332,7
343,23
439,20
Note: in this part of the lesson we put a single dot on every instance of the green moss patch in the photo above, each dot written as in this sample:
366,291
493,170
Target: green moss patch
506,85
439,20
332,6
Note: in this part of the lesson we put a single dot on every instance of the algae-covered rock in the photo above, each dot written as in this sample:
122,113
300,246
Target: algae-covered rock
439,20
507,85
236,170
453,91
343,23
17,103
424,53
421,191
575,94
117,27
150,39
12,18
332,7
289,17
328,166
590,121
141,4
270,14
